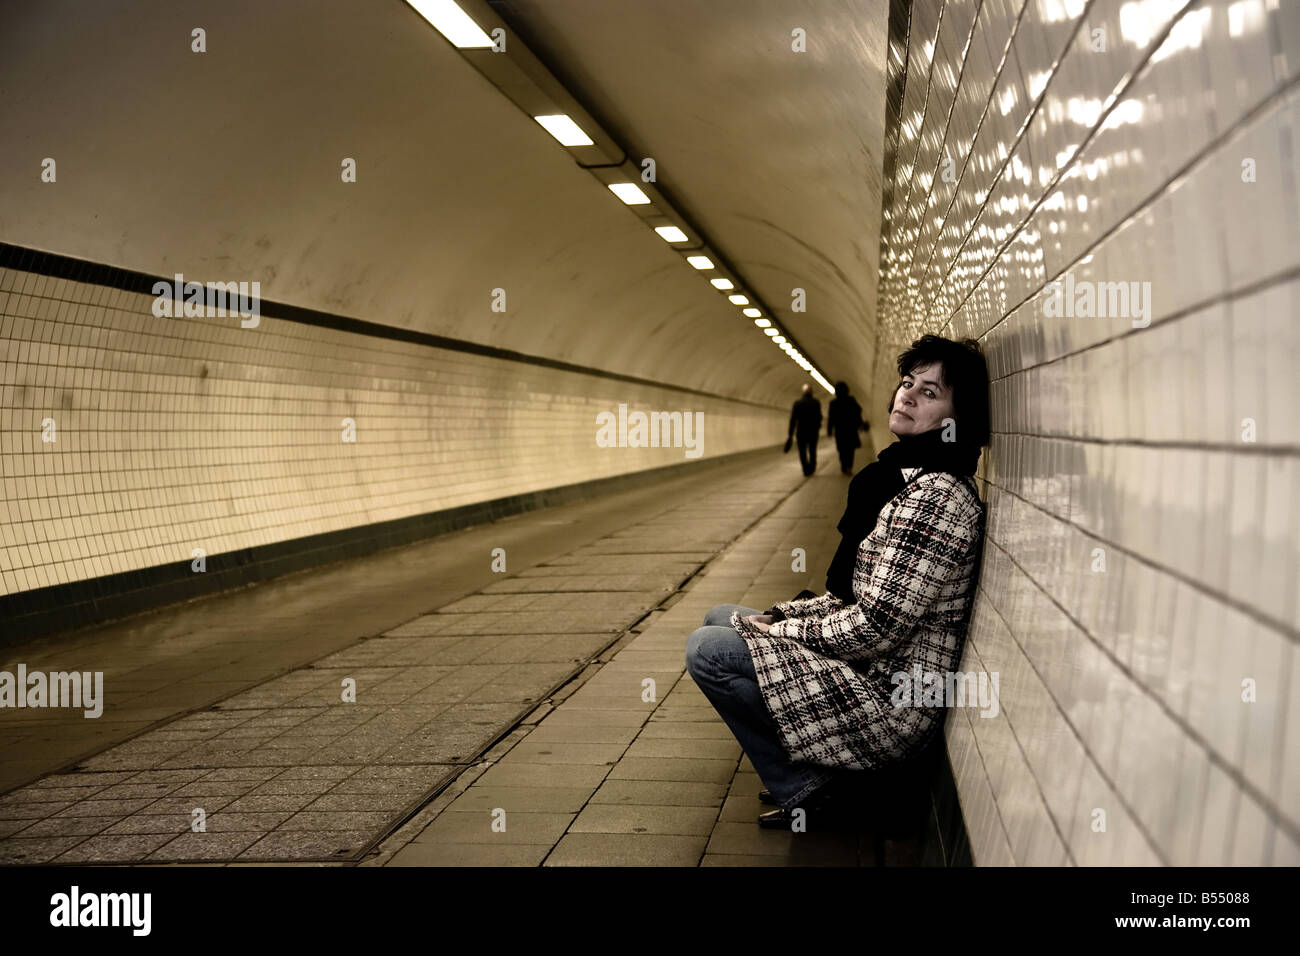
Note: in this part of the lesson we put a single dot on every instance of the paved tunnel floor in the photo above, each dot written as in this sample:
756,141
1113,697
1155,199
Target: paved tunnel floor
521,706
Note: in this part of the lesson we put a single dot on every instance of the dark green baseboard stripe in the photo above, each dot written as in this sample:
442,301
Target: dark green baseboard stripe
95,601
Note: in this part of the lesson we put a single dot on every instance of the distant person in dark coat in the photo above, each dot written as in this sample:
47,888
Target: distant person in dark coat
843,422
805,426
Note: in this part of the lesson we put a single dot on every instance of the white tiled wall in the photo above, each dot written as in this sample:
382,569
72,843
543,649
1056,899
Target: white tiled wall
179,433
1121,689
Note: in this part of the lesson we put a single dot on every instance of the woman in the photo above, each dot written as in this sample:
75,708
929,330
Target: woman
806,687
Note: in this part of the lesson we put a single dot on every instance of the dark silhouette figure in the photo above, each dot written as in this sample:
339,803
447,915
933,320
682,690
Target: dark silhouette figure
843,422
805,426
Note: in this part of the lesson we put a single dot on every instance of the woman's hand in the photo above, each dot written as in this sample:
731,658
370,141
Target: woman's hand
760,621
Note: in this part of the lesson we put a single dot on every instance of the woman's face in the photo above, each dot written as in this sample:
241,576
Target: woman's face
921,403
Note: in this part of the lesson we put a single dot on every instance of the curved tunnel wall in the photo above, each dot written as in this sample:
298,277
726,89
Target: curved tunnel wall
457,193
1141,562
130,440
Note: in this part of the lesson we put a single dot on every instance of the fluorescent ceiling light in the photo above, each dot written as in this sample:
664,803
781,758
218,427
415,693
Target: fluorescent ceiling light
564,129
779,340
762,323
723,284
452,22
737,300
701,262
671,233
752,313
771,332
630,193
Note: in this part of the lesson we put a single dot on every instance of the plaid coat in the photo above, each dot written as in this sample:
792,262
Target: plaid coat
826,672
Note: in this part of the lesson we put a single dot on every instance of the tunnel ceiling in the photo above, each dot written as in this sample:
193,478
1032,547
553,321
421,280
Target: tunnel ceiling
225,165
775,155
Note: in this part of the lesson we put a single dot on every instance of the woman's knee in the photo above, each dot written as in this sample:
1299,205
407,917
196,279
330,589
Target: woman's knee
706,646
719,616
715,651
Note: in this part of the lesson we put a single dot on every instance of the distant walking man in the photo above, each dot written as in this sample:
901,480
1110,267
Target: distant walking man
805,425
844,421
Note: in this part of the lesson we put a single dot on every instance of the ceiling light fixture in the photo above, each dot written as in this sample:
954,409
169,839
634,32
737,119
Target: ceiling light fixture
453,23
630,193
564,129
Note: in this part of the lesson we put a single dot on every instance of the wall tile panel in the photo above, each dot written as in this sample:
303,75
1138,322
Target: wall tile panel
1141,559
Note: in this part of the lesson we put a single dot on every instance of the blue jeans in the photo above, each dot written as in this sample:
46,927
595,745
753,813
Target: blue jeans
719,660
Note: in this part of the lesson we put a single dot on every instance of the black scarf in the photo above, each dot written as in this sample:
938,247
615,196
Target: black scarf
873,487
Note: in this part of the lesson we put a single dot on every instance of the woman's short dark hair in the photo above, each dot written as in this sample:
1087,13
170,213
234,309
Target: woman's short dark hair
964,371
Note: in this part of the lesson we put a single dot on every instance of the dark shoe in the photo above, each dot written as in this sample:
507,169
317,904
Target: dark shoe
777,819
765,796
831,805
